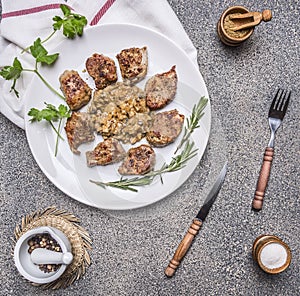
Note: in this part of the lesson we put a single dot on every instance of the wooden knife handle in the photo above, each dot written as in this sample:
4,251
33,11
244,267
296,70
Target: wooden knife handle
263,179
183,247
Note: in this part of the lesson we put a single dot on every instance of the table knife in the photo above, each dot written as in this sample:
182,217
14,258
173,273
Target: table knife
196,224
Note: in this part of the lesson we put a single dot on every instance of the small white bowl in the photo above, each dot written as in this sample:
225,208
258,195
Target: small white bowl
23,260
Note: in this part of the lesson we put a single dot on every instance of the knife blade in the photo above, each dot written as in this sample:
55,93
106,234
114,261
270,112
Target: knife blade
196,224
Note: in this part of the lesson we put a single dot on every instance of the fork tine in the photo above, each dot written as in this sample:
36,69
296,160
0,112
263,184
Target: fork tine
275,99
286,102
280,100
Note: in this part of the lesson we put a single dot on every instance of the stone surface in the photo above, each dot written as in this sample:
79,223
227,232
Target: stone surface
131,252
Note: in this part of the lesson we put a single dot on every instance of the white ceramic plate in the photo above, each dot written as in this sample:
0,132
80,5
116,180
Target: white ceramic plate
69,172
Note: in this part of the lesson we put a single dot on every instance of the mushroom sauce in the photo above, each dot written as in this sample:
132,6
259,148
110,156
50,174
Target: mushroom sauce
120,111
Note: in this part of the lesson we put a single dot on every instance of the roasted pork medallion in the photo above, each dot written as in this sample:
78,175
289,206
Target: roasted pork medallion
106,152
166,127
161,89
139,161
76,91
78,130
102,69
133,64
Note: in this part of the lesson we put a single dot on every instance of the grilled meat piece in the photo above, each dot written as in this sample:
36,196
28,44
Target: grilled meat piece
161,89
102,69
106,152
133,64
76,91
78,130
139,160
166,127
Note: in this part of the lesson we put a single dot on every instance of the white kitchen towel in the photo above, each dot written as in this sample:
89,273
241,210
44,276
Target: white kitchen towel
24,21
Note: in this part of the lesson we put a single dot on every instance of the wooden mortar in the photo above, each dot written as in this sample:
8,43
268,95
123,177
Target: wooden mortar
237,24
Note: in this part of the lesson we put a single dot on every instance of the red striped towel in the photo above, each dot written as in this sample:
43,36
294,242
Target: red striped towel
24,21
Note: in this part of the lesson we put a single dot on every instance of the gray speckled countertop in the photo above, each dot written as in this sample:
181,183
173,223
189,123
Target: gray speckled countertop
129,255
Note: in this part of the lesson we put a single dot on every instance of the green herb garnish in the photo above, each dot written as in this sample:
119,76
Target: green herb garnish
178,162
51,114
72,24
40,53
126,183
41,56
193,121
12,73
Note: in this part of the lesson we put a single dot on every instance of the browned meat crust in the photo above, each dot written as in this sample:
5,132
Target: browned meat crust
166,127
76,91
102,69
161,89
78,130
133,64
139,160
106,152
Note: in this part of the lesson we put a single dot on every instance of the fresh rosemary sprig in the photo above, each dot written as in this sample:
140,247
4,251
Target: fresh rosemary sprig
178,162
193,121
126,183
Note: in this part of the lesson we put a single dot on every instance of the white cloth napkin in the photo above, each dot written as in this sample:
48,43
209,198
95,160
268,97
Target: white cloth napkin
24,21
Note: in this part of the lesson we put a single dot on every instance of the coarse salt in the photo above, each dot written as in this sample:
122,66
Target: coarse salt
273,255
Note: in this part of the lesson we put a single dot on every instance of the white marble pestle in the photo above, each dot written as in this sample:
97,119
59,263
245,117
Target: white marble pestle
44,256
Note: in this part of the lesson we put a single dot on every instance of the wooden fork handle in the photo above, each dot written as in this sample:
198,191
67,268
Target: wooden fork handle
183,247
263,179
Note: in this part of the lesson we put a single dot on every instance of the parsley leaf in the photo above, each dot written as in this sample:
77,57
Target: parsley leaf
40,53
12,73
72,23
51,114
65,9
63,111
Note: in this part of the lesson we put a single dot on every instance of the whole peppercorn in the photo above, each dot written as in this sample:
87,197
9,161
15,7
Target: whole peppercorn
44,240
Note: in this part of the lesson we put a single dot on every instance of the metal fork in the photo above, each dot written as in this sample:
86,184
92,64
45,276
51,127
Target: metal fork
276,113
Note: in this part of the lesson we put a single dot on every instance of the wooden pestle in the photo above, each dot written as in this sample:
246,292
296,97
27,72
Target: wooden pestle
254,19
